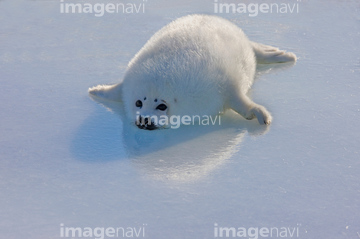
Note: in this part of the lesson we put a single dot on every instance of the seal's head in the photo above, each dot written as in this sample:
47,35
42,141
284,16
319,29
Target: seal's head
151,113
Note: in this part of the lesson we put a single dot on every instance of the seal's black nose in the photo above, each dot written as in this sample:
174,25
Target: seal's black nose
145,123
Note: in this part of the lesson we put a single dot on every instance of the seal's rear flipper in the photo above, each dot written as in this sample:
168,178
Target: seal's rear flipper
109,92
268,54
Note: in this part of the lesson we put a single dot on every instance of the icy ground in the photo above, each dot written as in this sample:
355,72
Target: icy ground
67,161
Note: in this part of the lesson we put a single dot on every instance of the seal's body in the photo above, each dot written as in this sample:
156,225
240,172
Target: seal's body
196,65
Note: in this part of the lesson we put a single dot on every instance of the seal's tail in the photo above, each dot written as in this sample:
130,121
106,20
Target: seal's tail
269,54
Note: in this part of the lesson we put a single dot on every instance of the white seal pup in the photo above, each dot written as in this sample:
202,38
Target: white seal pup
196,65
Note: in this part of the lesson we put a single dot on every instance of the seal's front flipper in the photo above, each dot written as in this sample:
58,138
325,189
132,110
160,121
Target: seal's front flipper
109,92
243,105
268,54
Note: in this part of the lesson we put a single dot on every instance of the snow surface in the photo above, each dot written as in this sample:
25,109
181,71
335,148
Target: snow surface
66,159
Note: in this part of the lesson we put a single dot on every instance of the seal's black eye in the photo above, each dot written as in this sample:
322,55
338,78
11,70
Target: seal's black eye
138,103
161,107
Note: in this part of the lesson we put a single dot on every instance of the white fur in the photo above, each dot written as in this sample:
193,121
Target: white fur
198,65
